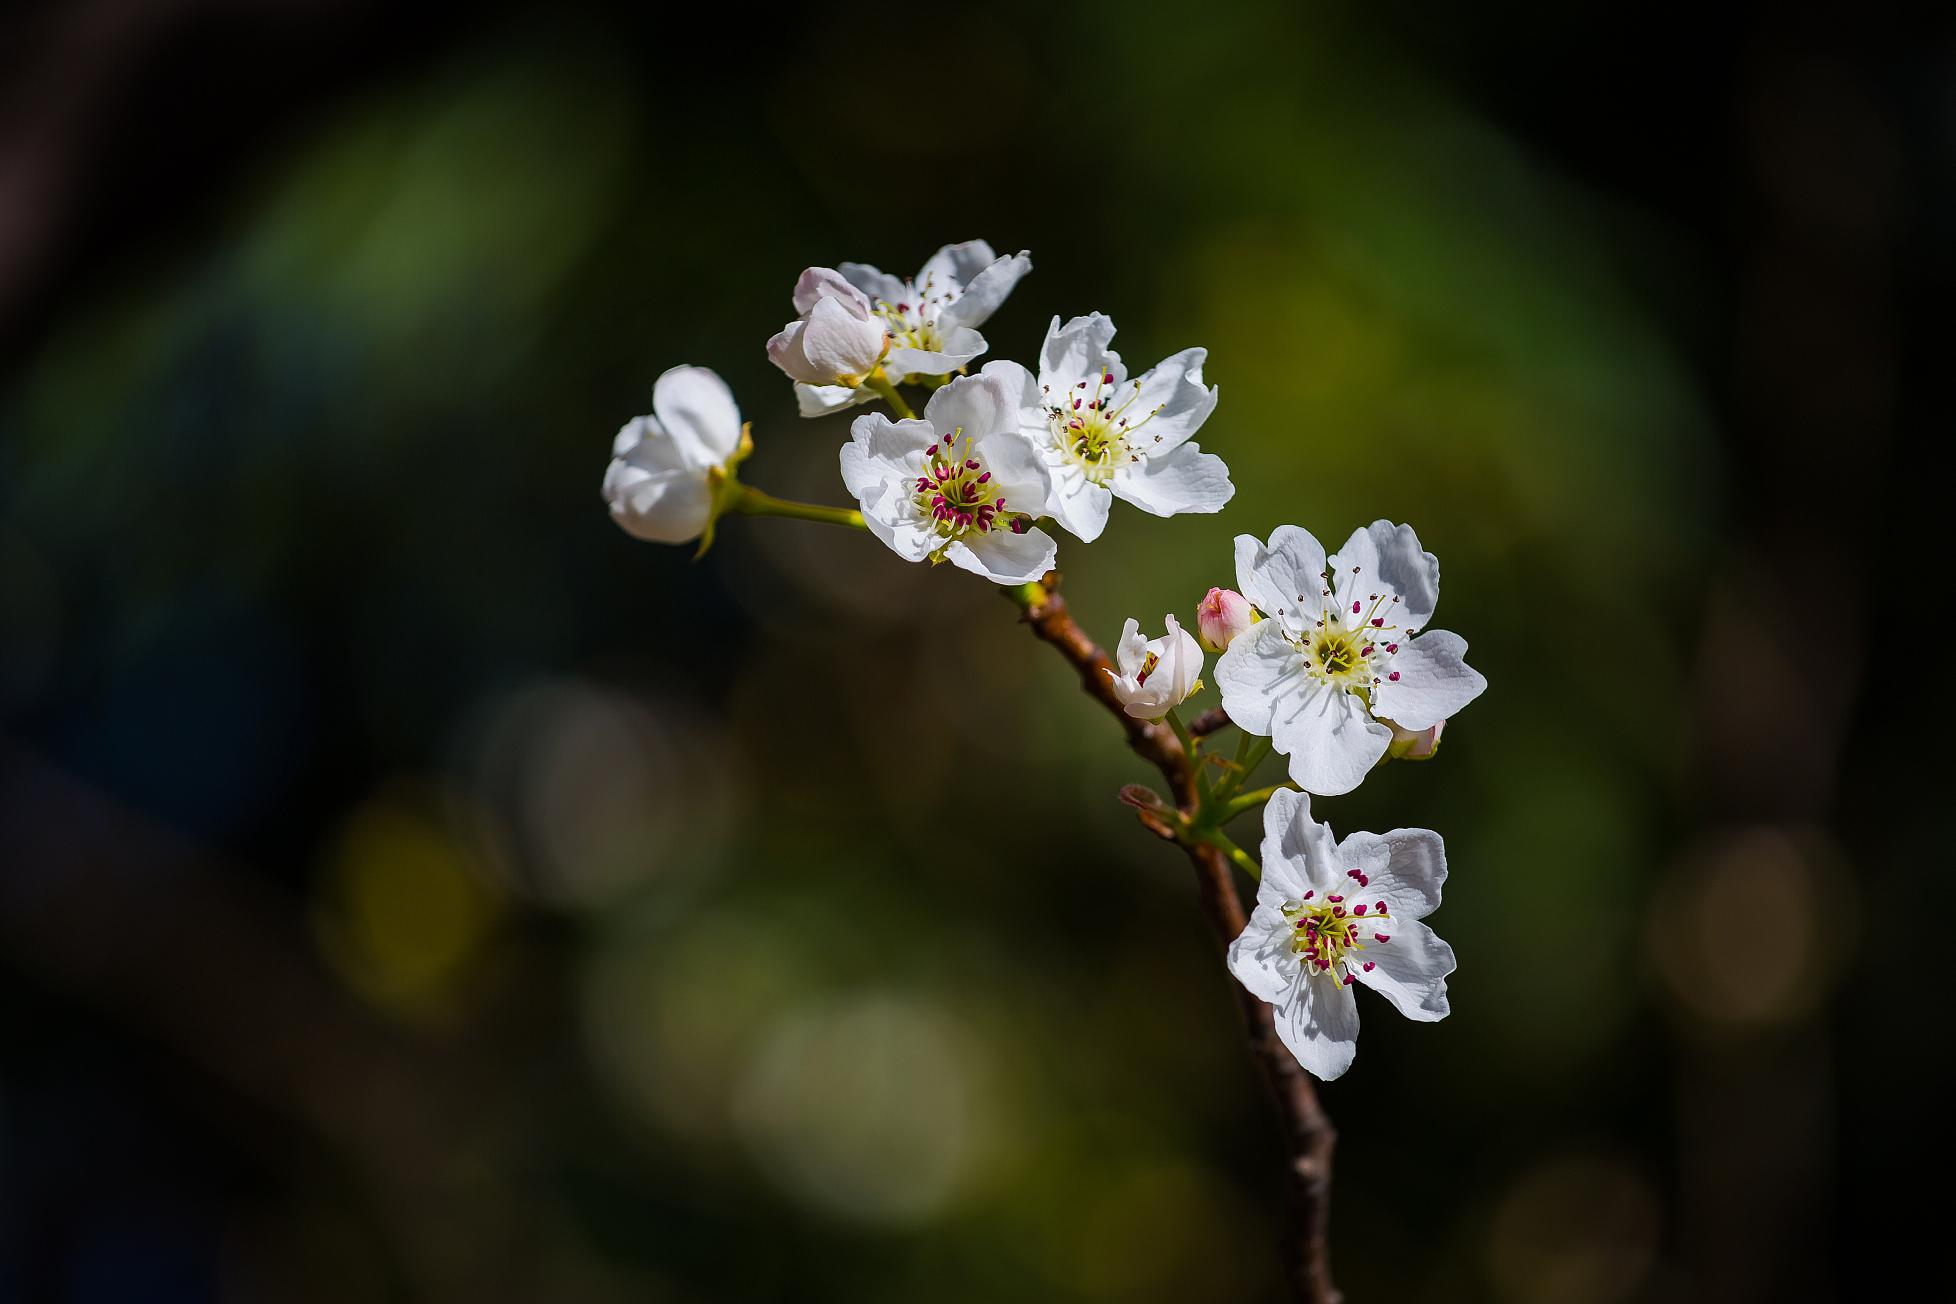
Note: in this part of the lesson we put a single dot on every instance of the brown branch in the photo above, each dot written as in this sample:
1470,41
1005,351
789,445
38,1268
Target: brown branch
1308,1135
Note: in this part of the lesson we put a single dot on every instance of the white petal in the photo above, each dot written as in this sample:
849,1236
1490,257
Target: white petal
1389,561
1261,957
1410,970
651,488
1258,670
821,400
1132,648
877,287
881,452
1298,853
1434,681
841,342
1004,557
818,283
1331,739
955,265
1319,1023
1171,398
959,346
698,411
1406,869
984,291
1079,350
1018,471
1079,505
974,406
1284,579
1186,480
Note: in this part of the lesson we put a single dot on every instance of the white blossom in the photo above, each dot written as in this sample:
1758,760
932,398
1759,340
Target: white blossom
1157,674
961,484
659,483
1332,914
1105,436
1335,659
932,319
837,340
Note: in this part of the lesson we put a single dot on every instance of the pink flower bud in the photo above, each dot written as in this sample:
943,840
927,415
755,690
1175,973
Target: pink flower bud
1414,744
1221,616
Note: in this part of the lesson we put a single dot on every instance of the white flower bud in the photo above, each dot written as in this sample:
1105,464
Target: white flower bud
659,485
1221,616
1158,674
837,340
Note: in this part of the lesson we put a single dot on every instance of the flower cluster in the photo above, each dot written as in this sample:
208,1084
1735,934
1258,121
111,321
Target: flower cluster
1328,661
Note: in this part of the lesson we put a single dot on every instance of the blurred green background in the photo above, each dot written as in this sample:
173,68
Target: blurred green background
415,889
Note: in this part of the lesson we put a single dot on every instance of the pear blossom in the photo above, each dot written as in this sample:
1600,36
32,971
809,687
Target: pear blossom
660,482
1330,915
1221,616
1157,674
837,340
1335,659
961,484
932,319
1105,436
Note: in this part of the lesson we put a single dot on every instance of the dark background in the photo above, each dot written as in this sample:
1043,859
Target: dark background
415,889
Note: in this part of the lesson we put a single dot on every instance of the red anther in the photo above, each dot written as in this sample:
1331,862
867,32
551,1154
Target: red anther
1380,907
1349,980
1394,676
931,451
1359,909
1355,607
1334,900
1380,937
1392,647
1378,622
1369,966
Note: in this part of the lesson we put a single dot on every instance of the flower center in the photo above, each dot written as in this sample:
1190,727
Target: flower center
1352,649
913,322
1093,431
958,495
1329,932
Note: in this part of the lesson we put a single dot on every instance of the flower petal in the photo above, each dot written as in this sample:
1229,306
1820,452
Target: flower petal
1256,672
1406,867
877,286
651,488
976,406
1130,651
1261,957
1171,398
1078,504
1296,849
984,291
1284,580
959,346
821,400
1186,480
1410,970
841,341
1004,557
1434,681
1319,1023
1331,739
698,411
1079,350
1388,559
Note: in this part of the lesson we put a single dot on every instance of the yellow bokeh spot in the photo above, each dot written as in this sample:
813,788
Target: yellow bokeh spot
401,911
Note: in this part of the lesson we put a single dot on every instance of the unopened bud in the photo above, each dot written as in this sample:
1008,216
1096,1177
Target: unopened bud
838,339
1414,744
1221,616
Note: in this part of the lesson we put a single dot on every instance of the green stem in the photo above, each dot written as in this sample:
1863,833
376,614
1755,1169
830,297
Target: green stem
1250,751
1174,719
1237,856
1248,801
753,502
880,385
